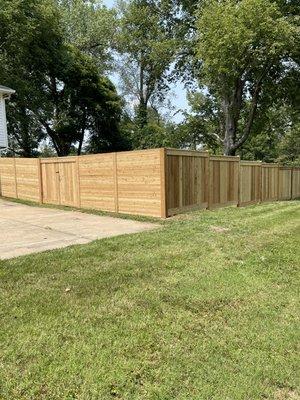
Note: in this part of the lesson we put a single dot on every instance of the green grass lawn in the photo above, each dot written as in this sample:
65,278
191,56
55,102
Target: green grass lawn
187,311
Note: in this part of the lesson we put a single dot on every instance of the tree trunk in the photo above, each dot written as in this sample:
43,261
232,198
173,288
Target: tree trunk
62,148
230,128
82,130
142,114
142,108
232,105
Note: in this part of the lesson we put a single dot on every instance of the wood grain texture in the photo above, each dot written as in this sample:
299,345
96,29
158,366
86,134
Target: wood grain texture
285,183
155,182
27,179
97,181
270,181
163,178
186,182
223,181
250,183
139,182
7,178
296,183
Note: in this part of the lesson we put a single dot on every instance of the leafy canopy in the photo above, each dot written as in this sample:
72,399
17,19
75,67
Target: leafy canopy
240,38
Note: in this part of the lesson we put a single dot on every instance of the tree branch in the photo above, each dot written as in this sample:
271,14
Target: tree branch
253,108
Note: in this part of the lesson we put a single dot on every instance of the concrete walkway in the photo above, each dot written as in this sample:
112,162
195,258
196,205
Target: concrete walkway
25,229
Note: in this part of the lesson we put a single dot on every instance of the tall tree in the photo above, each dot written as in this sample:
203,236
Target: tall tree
91,28
77,101
29,35
244,47
60,93
147,50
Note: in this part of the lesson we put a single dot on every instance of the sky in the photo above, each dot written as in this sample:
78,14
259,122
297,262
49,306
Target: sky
177,93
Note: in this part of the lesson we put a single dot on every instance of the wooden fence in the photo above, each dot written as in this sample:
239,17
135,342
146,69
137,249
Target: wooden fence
249,182
223,181
156,182
186,180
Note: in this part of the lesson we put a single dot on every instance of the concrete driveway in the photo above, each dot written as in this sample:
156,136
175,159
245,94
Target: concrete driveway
25,229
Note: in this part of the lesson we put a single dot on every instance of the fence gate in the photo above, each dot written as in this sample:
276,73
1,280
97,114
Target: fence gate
60,181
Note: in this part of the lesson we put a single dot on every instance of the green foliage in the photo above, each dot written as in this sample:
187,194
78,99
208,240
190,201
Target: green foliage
245,48
91,28
147,50
30,40
60,93
160,131
241,39
79,100
289,147
201,125
244,56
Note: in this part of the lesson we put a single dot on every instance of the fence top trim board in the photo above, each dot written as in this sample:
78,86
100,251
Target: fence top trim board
51,160
192,153
225,158
248,162
270,165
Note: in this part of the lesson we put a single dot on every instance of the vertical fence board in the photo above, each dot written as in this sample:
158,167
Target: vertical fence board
269,182
224,181
68,183
250,182
285,183
50,182
186,183
163,177
296,183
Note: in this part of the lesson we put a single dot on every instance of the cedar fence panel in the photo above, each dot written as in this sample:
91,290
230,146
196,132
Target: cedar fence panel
270,180
296,183
186,180
60,181
139,185
97,182
285,183
28,179
223,181
250,182
8,187
156,182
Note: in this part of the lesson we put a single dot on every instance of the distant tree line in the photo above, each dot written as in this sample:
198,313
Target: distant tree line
238,59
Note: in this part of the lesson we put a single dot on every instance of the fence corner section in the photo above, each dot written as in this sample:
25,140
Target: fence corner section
163,183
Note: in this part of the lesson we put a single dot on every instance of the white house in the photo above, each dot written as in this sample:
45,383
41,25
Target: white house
5,93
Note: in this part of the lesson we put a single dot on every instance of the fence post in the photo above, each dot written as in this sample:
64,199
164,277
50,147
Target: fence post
278,183
180,181
206,180
78,183
292,182
115,169
239,184
163,183
261,183
210,182
16,179
39,168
